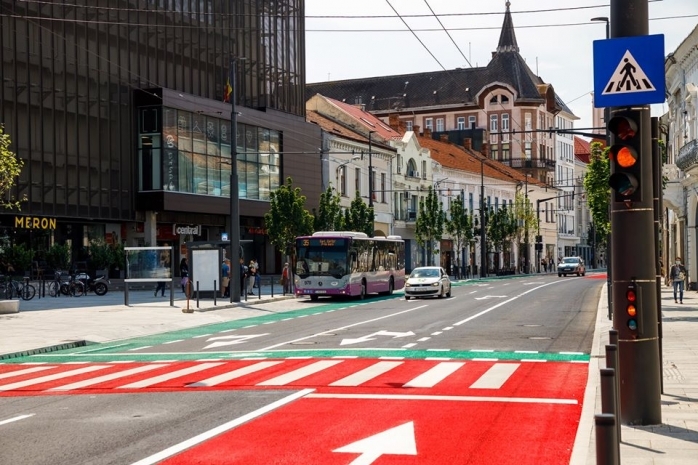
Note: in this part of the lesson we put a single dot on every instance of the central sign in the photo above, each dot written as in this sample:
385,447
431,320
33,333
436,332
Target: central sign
187,230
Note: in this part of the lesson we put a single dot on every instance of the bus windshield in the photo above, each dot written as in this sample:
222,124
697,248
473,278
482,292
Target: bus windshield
322,259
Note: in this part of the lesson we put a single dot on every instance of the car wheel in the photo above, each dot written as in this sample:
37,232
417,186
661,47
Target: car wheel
441,292
559,275
407,297
448,294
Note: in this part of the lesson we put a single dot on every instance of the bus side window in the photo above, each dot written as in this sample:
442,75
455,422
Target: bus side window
352,261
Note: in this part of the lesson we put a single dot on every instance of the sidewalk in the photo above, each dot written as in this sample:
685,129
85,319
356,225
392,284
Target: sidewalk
675,441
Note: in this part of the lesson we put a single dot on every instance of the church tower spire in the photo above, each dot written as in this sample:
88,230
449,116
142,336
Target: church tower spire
507,38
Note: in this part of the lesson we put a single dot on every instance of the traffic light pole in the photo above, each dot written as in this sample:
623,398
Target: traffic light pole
633,243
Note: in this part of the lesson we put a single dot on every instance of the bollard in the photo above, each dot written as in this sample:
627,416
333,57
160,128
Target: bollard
613,337
612,362
608,400
197,294
606,440
272,287
215,293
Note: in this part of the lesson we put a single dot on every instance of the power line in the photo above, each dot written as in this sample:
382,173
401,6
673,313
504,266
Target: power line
448,34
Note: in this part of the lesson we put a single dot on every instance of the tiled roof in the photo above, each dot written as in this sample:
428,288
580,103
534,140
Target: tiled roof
582,149
333,127
507,38
370,122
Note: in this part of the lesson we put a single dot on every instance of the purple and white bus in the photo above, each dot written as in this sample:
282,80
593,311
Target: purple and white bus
344,263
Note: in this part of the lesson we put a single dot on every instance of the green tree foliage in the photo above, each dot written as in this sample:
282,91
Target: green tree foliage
459,225
328,216
430,222
359,216
525,219
597,190
10,167
502,228
58,256
20,257
100,254
287,217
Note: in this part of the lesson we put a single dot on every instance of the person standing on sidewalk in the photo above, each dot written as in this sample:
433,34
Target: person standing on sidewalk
677,274
225,278
184,274
285,281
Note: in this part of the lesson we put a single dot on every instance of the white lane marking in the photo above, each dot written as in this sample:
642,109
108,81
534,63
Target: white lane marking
438,359
434,375
448,328
571,353
481,350
302,372
436,333
249,326
53,377
366,374
99,348
438,350
227,330
168,376
104,378
423,339
504,303
341,328
485,359
525,351
206,335
391,358
532,360
496,376
346,356
21,417
189,443
411,344
524,400
299,357
76,363
172,342
34,363
26,371
140,348
222,378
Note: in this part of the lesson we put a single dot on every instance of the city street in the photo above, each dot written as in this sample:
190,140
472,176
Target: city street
329,381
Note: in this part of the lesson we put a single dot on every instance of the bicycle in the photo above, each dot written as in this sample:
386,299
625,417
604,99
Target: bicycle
74,287
11,288
54,287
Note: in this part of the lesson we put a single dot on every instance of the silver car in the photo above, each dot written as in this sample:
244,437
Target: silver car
428,281
571,265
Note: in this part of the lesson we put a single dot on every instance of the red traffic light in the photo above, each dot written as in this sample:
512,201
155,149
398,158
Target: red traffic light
630,295
624,128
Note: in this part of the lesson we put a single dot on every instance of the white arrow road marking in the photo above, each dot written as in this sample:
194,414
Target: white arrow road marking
370,338
231,340
491,297
394,441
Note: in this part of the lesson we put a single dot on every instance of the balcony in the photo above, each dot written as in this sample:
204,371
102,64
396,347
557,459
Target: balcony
409,216
534,163
688,156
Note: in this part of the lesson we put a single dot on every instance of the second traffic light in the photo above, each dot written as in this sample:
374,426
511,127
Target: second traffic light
627,153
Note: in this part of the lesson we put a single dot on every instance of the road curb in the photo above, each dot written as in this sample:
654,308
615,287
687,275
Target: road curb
43,350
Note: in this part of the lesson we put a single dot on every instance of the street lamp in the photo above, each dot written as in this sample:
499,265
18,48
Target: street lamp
370,171
527,259
343,164
234,194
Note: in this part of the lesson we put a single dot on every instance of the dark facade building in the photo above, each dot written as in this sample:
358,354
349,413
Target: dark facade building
116,108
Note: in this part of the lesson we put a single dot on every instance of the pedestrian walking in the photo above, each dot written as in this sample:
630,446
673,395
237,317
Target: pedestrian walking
225,278
243,276
184,274
162,285
257,277
677,274
251,277
285,279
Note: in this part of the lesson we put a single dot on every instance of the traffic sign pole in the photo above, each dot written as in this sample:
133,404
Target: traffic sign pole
633,245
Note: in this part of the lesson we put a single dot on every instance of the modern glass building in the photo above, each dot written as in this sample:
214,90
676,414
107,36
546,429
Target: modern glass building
116,108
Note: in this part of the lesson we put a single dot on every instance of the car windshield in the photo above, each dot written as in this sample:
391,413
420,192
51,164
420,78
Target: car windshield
570,260
425,273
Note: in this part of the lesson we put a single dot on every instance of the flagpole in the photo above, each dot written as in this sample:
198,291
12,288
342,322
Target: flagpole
235,290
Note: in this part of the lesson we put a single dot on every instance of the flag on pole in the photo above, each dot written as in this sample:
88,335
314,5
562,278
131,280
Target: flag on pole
228,91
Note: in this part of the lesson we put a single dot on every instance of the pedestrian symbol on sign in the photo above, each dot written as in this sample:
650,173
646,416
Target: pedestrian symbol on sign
628,77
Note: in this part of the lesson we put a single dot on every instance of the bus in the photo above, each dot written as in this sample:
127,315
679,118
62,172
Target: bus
345,263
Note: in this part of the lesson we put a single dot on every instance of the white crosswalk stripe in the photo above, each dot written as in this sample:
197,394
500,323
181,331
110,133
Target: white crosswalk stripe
168,376
300,373
104,378
26,371
215,380
53,377
434,375
366,374
496,376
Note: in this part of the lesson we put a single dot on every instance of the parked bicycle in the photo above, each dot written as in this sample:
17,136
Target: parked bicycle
73,287
54,287
10,288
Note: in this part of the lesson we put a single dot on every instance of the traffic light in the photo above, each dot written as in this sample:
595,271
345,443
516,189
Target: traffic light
627,152
632,303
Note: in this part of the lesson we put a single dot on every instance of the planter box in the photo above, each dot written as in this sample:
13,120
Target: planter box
9,306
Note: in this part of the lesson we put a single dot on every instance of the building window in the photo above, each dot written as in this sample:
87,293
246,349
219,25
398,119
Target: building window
528,127
472,122
343,181
424,169
527,150
470,202
383,187
505,99
494,151
494,128
409,125
505,152
505,127
429,123
460,123
493,100
357,181
439,124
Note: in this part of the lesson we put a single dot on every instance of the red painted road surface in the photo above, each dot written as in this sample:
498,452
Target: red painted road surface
360,411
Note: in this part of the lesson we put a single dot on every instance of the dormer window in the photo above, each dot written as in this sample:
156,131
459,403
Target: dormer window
493,100
505,99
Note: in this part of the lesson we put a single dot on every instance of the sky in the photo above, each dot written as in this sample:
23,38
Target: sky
365,38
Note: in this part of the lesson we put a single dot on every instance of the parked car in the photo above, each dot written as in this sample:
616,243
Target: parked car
571,265
428,281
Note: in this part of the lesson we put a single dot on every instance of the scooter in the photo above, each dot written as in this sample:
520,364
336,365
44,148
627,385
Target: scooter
99,285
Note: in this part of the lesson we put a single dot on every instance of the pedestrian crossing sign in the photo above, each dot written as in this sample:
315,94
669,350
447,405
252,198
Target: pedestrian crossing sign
629,71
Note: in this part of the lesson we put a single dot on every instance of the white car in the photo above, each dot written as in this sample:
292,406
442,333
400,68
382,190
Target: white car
428,281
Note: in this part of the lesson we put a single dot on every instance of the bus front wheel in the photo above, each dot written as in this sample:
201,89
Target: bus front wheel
362,296
313,298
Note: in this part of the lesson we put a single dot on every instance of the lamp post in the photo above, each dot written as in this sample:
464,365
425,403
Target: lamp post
483,245
527,264
370,171
234,194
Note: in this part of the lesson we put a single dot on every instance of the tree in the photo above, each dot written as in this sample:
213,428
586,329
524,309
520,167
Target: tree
10,167
502,228
328,216
359,216
526,221
459,226
598,191
100,254
287,217
430,222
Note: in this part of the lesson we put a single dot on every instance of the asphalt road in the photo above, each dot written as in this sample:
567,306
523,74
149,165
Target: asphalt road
540,316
